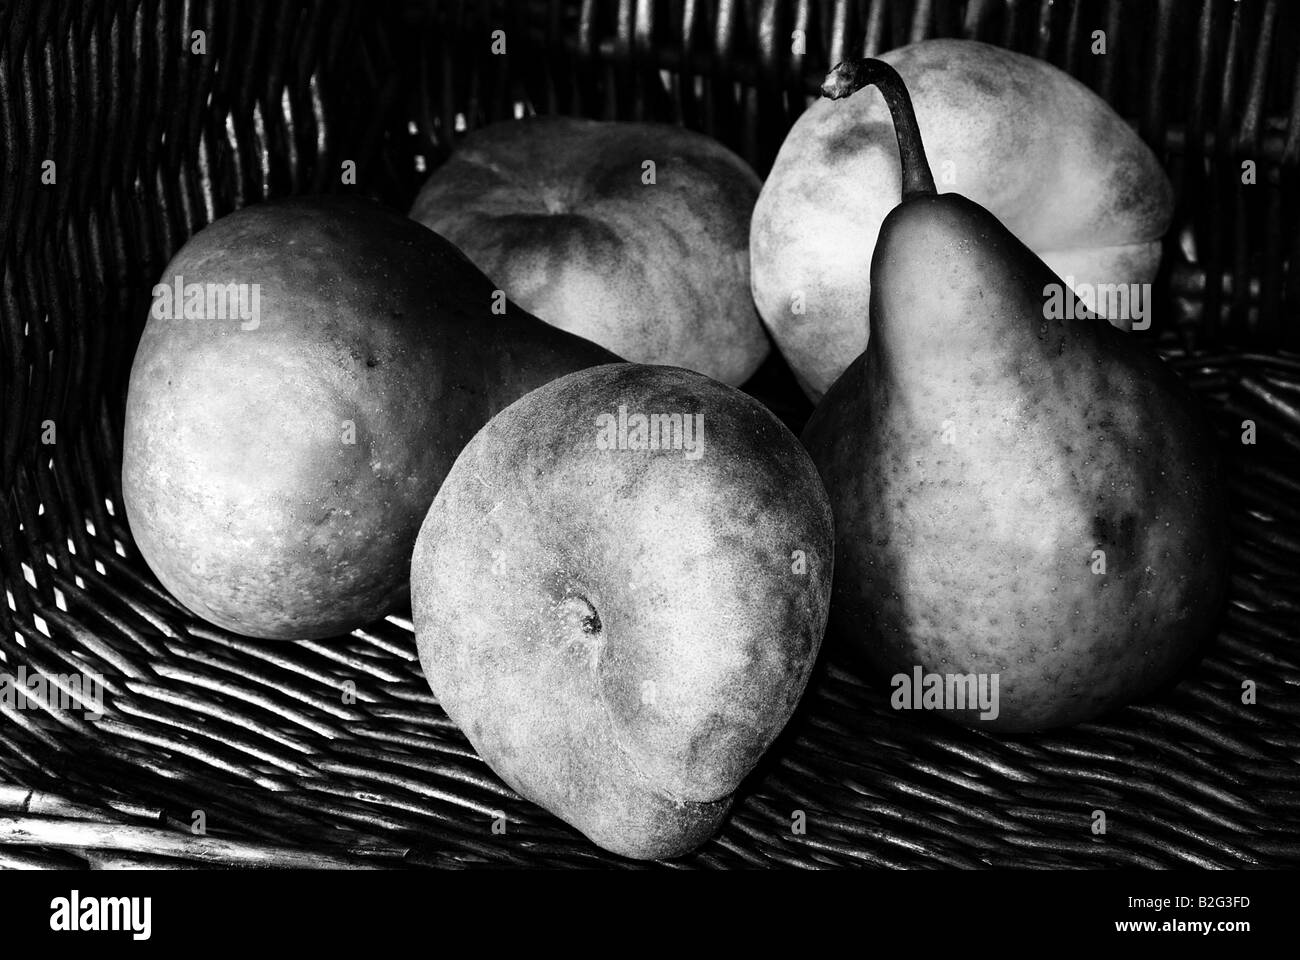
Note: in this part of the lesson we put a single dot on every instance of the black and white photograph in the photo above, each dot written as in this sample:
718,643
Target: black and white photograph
834,458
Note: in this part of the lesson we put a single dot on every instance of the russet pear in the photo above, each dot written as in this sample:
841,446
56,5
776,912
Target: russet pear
276,469
619,593
1015,493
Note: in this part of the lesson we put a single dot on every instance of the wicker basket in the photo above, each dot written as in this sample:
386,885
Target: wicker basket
334,753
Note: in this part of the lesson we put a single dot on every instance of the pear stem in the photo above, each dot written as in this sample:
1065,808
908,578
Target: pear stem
851,76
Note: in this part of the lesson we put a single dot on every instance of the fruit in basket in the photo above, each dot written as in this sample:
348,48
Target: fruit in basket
277,463
1045,155
618,595
649,261
1017,497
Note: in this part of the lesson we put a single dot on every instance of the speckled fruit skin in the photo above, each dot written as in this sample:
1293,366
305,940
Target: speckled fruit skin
240,488
1017,135
555,210
976,555
622,633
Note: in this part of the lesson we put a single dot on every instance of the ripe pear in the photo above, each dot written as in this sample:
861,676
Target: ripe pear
276,467
621,623
633,235
1051,159
1015,493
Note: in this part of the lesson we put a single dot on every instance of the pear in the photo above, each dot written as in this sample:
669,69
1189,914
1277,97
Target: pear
1021,493
278,459
1039,149
619,594
633,235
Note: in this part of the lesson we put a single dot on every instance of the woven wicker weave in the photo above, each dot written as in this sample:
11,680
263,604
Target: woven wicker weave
334,753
